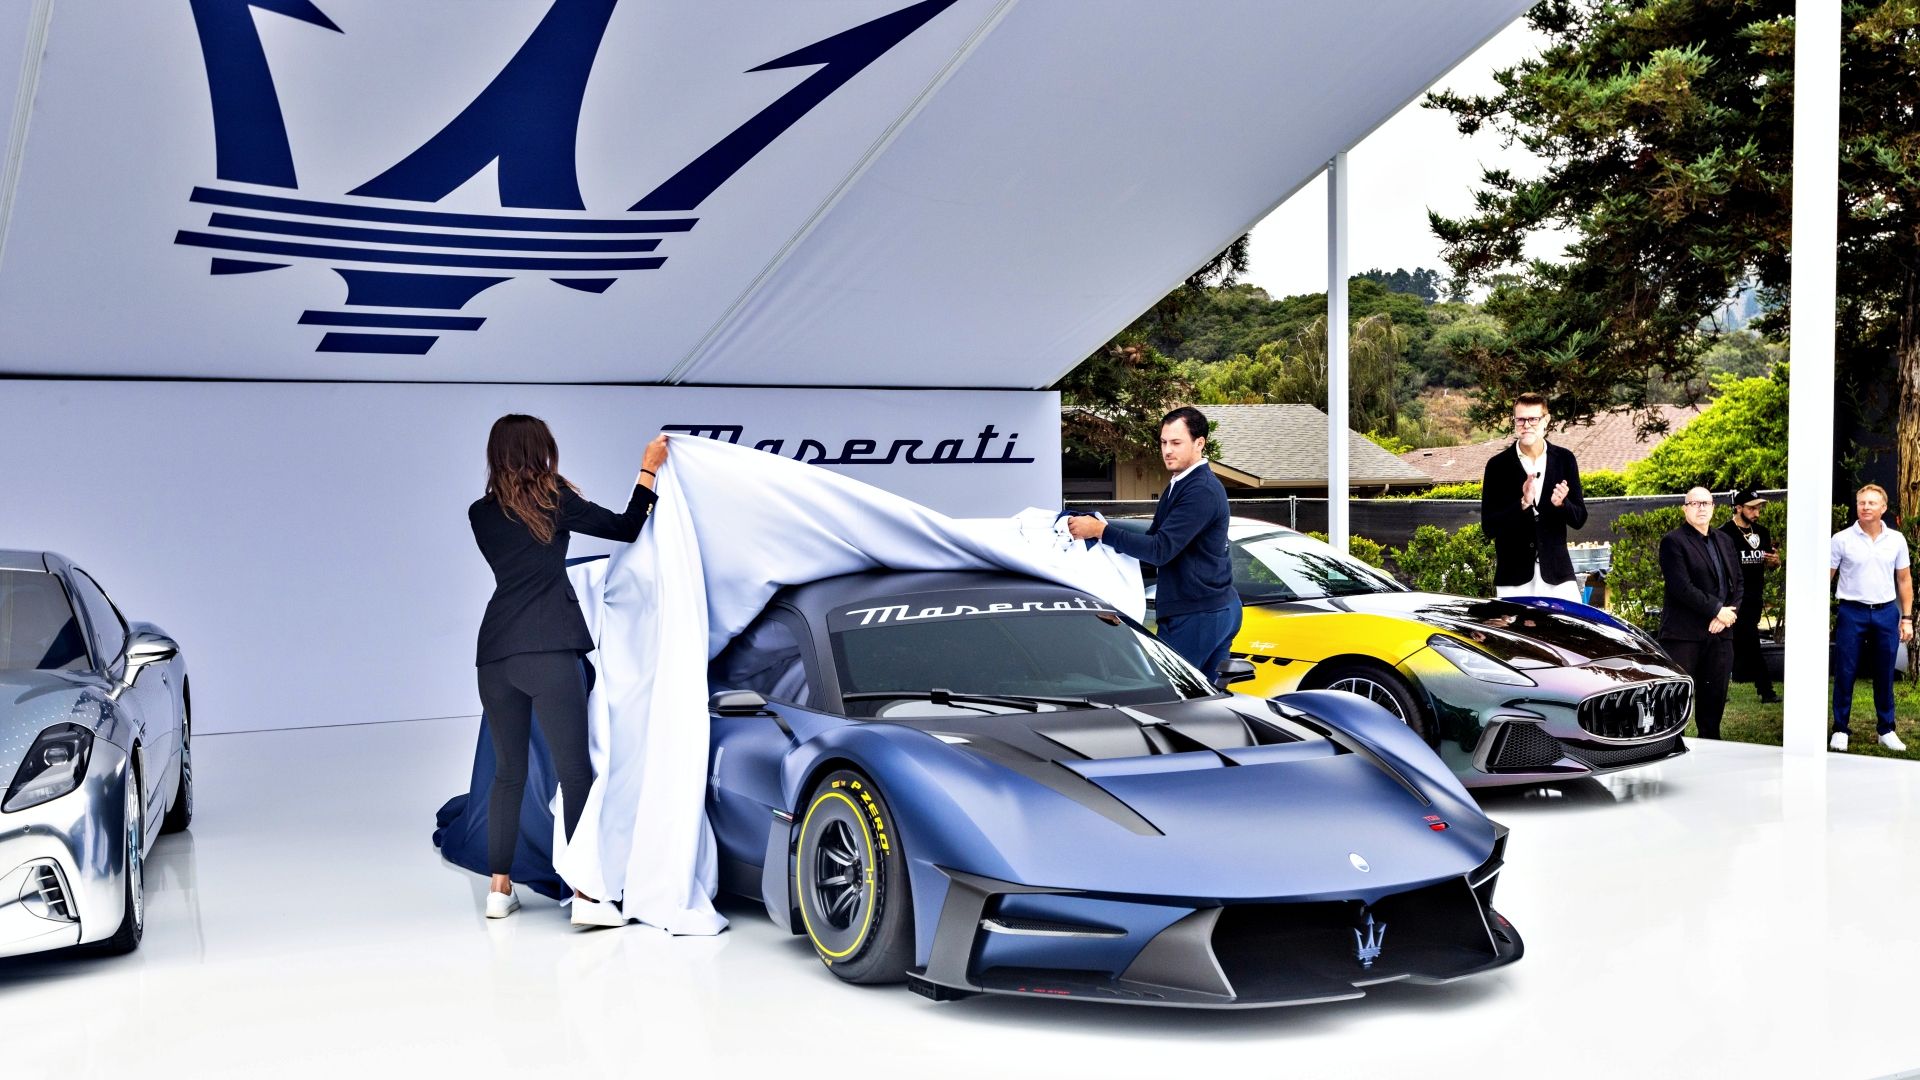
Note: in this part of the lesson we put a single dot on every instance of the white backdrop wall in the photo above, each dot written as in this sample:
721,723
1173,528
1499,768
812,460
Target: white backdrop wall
308,545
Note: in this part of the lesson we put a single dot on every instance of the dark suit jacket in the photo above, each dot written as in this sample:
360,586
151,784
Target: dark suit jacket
1520,536
534,608
1692,600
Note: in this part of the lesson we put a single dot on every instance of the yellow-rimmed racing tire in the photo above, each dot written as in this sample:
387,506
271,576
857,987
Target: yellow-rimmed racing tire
850,876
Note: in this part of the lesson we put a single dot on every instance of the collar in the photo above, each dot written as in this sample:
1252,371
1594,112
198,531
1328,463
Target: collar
1522,454
1871,539
1186,472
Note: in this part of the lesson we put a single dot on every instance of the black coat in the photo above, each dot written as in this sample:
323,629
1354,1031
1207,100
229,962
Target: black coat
534,608
1692,599
1520,536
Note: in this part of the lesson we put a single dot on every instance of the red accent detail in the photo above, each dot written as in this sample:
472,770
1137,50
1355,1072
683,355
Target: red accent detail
1438,826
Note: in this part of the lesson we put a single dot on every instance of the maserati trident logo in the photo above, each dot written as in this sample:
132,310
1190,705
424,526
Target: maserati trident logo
1359,863
1368,940
1646,713
407,269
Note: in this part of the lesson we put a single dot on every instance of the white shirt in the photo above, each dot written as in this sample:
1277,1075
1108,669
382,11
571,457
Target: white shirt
1867,565
1182,475
1536,470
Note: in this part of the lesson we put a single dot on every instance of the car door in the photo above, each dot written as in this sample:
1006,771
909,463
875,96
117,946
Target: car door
746,751
148,703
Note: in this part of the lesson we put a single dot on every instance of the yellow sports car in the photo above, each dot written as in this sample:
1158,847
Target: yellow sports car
1508,691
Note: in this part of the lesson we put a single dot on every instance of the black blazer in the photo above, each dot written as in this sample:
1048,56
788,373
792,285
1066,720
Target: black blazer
534,608
1520,536
1692,600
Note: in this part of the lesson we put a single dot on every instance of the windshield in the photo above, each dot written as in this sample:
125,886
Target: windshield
1080,654
1278,567
37,627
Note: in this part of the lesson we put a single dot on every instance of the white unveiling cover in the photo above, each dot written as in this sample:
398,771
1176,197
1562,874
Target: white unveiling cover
732,526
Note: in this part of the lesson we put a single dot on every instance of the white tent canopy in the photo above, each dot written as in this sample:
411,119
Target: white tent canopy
962,193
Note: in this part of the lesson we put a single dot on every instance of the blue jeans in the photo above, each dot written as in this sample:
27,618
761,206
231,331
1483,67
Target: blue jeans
1876,634
1202,638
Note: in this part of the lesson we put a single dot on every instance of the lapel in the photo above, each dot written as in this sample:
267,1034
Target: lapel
1166,500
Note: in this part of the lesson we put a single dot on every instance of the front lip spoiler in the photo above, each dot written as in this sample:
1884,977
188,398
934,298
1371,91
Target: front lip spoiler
1177,968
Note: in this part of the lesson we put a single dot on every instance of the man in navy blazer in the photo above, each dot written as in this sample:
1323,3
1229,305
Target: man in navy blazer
1196,609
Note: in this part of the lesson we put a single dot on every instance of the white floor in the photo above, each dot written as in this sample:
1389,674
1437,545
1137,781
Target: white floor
1732,913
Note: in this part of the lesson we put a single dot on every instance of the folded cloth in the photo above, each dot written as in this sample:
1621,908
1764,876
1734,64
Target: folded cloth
733,526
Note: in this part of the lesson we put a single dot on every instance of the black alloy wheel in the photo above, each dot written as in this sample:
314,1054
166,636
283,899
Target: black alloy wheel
850,875
1384,688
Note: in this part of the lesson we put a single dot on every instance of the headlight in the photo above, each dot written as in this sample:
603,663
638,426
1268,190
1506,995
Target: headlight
54,766
1475,663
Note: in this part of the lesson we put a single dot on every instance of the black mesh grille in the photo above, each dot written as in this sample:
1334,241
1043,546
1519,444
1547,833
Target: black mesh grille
1618,757
1636,712
1525,746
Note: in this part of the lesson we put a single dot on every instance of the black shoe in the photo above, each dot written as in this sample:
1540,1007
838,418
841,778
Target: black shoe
1769,698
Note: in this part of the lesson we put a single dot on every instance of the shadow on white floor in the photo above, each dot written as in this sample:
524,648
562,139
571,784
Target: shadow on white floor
1729,913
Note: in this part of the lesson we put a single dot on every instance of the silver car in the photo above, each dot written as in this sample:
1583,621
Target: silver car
94,754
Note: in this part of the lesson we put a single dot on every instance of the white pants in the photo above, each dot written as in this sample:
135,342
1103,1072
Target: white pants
1566,590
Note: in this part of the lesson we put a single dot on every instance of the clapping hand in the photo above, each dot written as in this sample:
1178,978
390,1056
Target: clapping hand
1526,493
1560,493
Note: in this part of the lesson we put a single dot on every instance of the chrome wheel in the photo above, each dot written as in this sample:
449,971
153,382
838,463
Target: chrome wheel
1372,691
135,830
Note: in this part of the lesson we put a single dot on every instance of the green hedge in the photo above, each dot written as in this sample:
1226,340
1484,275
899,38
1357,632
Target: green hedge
1593,485
1438,561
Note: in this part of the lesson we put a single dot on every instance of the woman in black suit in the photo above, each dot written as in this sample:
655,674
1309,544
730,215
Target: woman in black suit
533,634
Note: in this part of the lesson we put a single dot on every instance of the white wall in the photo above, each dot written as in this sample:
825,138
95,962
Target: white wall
307,543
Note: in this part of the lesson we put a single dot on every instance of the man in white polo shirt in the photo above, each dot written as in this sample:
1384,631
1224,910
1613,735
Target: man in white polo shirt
1869,565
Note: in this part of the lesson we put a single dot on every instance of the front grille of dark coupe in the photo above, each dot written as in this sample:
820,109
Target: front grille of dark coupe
1620,757
1648,711
1525,746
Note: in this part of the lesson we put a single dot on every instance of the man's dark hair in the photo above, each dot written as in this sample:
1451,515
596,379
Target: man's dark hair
1531,398
1195,420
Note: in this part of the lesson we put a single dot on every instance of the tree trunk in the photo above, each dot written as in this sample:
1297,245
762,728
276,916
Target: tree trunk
1906,428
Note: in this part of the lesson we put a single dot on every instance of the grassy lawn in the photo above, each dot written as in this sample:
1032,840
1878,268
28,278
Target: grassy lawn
1747,720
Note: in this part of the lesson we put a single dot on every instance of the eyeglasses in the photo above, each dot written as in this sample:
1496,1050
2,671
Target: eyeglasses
1699,502
1523,421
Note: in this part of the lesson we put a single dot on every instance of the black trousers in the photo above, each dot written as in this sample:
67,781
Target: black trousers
1748,662
514,691
1710,663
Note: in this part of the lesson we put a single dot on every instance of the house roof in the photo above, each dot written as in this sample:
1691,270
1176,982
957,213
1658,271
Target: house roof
1611,442
1285,446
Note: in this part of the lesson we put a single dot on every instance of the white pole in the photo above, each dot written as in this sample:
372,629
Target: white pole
1816,185
1337,353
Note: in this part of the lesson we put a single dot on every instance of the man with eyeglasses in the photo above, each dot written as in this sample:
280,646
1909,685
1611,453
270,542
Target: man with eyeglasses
1757,556
1868,564
1529,498
1703,587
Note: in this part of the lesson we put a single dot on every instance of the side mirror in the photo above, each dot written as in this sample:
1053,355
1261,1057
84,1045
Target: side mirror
743,703
144,648
1236,671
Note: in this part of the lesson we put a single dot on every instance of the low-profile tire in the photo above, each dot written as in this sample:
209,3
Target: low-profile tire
133,922
180,811
850,876
1385,688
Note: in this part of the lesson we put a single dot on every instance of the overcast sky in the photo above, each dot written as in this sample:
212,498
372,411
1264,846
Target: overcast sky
1415,161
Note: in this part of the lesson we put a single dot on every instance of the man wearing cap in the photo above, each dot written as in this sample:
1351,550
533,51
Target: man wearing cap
1868,563
1754,545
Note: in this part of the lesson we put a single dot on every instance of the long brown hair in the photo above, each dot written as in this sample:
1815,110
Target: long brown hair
523,472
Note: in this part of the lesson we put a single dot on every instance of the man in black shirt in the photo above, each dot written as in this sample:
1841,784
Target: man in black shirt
1754,545
1701,574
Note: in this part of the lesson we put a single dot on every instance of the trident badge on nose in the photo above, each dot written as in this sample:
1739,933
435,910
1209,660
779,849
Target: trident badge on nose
1367,944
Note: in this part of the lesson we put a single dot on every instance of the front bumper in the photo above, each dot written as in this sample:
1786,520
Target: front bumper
61,863
1492,734
1005,938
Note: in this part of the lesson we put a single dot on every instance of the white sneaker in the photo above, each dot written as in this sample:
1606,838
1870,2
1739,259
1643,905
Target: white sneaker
501,904
596,913
1838,742
1893,743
